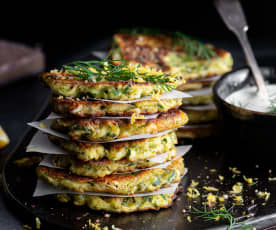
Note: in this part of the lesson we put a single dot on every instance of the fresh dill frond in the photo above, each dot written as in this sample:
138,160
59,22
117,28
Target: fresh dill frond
106,69
192,46
220,214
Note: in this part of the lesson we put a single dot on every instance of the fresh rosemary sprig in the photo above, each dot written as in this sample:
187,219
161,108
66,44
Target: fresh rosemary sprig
106,70
192,46
219,214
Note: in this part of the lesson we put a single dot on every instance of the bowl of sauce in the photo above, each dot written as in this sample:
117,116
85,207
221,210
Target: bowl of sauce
244,115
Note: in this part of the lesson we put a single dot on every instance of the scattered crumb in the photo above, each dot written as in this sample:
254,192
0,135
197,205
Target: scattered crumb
237,188
37,223
210,189
238,200
192,192
221,178
263,195
248,180
211,199
234,170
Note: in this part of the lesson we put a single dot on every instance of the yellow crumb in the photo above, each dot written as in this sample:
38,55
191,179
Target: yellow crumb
210,189
237,188
194,184
263,195
211,198
192,193
235,170
37,222
248,180
4,139
221,177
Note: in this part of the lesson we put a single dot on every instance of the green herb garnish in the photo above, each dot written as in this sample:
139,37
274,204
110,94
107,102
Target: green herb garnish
192,46
106,70
220,214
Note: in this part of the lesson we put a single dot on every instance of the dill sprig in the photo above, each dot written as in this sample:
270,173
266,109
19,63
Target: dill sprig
106,70
219,214
192,46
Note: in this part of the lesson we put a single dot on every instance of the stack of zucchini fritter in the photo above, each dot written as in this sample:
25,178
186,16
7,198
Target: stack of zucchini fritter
200,65
106,152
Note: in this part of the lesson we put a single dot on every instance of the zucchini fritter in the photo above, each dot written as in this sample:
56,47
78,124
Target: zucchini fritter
65,84
130,150
111,129
137,182
103,167
120,204
161,52
86,108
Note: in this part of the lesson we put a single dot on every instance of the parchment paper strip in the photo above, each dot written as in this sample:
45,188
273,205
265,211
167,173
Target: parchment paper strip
45,126
43,189
181,151
146,116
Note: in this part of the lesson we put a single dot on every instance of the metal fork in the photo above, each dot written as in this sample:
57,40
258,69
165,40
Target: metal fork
232,14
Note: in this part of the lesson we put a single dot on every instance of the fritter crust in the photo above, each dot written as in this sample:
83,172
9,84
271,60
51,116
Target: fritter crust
70,86
131,150
110,129
120,204
159,51
137,182
70,107
103,167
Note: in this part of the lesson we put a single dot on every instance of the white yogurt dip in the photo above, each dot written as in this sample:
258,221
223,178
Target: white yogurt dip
249,98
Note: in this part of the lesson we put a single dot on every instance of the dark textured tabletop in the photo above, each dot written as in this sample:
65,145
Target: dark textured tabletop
22,100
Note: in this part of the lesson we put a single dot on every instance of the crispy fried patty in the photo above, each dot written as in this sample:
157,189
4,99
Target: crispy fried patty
110,129
71,86
137,182
87,108
161,52
120,204
103,167
131,150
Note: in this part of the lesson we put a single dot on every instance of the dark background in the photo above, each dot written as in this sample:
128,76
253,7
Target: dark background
64,29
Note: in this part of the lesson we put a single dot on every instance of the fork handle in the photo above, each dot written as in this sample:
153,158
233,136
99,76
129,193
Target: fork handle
251,60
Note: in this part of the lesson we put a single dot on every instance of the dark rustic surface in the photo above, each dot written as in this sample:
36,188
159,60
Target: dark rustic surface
21,101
